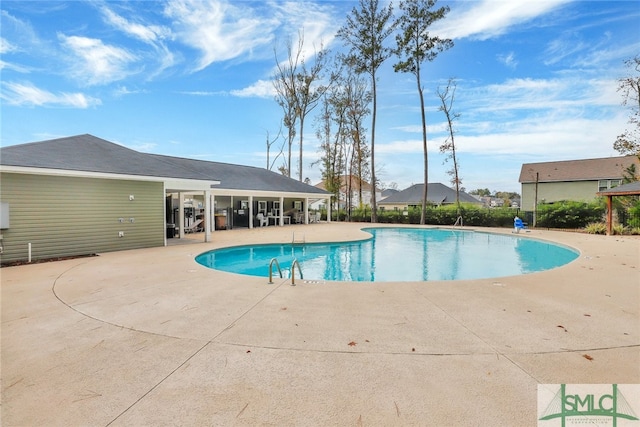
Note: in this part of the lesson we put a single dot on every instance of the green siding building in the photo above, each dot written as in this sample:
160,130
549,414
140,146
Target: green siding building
577,180
83,195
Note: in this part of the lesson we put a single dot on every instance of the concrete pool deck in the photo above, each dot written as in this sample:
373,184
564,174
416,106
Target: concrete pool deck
150,337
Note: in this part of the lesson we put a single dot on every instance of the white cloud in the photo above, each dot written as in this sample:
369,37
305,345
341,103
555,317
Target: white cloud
98,63
407,146
14,67
20,31
552,118
123,90
315,22
30,95
143,146
6,46
548,138
567,45
439,127
567,95
489,18
19,37
221,30
146,33
153,35
203,93
260,89
218,29
509,60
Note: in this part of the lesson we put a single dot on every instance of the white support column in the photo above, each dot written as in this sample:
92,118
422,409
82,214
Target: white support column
213,212
281,212
250,211
329,209
207,216
306,210
181,215
164,208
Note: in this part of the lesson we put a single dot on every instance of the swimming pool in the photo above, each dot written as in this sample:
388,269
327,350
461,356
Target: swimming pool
399,254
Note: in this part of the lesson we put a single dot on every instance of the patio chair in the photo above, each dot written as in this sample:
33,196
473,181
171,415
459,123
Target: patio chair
262,220
196,226
518,225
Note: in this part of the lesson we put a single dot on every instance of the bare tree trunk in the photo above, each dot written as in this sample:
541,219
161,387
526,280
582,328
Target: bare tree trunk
301,116
423,214
374,209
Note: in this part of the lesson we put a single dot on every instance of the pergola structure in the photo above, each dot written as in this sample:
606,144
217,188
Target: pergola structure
631,189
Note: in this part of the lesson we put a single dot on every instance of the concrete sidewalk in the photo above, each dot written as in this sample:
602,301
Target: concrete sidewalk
150,337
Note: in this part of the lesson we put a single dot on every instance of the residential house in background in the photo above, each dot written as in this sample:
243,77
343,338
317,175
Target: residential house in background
388,192
354,192
437,194
577,180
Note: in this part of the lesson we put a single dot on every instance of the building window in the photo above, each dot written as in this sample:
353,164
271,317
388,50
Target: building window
262,207
605,184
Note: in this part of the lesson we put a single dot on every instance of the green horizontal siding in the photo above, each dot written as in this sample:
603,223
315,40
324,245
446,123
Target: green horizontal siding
67,216
549,192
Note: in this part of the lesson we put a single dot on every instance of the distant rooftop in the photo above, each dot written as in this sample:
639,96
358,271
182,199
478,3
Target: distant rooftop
436,193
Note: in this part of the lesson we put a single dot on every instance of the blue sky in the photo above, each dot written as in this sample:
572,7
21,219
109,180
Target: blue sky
192,78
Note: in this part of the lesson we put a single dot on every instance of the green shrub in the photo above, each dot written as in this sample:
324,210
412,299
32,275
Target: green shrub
569,214
634,216
390,217
472,215
618,229
596,228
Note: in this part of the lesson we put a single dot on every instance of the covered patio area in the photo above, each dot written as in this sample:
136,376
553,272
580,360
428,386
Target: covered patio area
631,189
189,212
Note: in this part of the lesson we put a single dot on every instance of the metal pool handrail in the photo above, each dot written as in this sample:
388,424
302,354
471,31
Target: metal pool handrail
273,260
293,277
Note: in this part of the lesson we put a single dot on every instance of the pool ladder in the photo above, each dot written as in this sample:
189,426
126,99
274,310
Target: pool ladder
294,241
293,270
274,261
293,265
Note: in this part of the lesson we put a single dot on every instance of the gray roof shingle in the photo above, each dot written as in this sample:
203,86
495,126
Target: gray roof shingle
88,153
437,193
577,170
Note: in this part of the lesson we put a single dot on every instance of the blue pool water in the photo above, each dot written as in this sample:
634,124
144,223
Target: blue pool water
399,254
